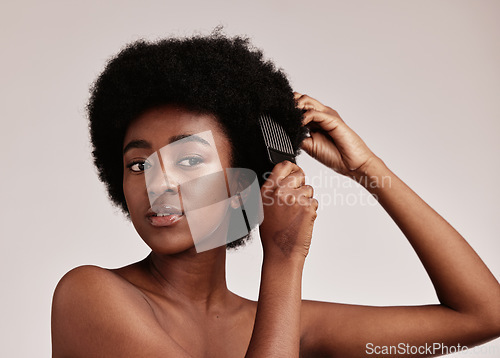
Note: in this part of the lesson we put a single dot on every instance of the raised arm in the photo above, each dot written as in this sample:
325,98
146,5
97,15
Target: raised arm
289,214
469,313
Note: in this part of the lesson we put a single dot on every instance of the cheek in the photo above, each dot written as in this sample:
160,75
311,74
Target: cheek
205,202
134,191
204,191
209,225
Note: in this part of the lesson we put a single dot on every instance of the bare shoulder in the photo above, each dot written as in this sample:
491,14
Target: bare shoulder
88,299
90,284
95,312
88,275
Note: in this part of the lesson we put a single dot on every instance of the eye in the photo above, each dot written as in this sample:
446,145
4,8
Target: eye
190,161
138,166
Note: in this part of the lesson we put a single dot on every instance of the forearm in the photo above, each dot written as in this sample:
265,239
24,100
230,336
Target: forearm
276,330
461,279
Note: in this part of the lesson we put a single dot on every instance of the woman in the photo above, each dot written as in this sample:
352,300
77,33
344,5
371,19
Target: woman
175,303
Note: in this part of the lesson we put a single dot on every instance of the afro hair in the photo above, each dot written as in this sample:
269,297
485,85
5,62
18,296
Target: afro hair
215,74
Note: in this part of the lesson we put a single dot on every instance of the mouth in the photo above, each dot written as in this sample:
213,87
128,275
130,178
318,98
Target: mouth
164,219
164,215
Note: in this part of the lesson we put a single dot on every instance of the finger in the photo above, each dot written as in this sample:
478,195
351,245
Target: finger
308,144
294,180
318,140
306,191
306,102
326,121
280,171
305,198
314,203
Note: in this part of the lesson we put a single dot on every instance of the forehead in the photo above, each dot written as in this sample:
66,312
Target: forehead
160,123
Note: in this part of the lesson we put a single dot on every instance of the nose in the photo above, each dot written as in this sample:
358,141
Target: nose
158,182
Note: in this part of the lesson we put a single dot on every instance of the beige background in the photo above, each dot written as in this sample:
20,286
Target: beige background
418,80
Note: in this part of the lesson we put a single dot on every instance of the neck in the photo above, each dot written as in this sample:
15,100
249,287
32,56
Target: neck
193,279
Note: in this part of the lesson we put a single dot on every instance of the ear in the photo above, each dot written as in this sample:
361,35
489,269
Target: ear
237,185
240,198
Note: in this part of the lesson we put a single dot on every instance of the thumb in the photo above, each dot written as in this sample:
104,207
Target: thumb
307,144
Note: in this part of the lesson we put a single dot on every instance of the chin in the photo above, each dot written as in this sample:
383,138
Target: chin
169,244
165,240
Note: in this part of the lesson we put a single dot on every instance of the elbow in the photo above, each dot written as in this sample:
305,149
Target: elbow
495,315
489,319
496,320
492,327
482,315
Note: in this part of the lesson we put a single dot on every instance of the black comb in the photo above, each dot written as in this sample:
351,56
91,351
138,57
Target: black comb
278,143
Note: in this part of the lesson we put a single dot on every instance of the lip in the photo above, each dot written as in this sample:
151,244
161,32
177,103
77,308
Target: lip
164,209
163,221
174,214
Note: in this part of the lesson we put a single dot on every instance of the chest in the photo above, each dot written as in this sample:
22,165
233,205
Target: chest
219,335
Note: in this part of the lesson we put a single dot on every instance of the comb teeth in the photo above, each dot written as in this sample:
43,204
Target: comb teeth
278,143
274,135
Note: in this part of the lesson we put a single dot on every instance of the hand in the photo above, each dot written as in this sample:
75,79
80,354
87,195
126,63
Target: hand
332,142
289,213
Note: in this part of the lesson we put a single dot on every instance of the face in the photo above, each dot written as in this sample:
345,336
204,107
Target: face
173,169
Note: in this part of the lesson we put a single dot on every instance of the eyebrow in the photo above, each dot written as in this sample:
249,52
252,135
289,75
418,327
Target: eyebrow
144,144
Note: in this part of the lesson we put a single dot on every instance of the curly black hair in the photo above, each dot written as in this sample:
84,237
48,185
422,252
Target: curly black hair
214,74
